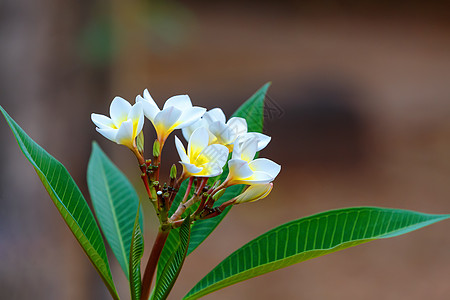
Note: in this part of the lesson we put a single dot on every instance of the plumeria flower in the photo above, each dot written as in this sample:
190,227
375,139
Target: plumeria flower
177,113
124,125
223,132
254,192
201,159
246,170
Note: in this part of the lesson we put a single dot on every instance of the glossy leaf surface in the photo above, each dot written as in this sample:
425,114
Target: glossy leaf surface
115,203
308,238
136,252
69,201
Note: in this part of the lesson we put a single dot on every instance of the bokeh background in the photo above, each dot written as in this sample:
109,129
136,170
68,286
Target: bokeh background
358,110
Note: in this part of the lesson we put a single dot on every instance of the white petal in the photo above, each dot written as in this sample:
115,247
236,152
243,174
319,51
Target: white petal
137,117
190,168
199,140
135,112
222,132
256,178
182,102
165,119
125,133
102,121
239,169
248,150
213,155
265,165
140,125
190,116
108,133
262,139
149,107
236,150
215,114
119,110
188,130
147,96
181,150
210,170
237,125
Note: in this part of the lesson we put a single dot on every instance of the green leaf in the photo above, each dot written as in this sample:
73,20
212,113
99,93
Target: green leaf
172,243
173,266
253,111
136,252
310,237
68,200
115,203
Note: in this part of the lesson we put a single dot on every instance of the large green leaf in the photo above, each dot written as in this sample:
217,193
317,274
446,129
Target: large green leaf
68,200
173,266
115,203
310,237
136,252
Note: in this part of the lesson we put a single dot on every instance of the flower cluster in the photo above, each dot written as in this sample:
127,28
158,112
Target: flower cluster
210,140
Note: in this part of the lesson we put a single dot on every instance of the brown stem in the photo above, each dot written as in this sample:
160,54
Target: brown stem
201,185
182,208
188,189
201,206
224,184
218,210
153,263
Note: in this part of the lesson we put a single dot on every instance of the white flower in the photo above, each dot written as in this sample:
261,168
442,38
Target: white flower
254,192
177,113
125,123
246,170
201,159
225,133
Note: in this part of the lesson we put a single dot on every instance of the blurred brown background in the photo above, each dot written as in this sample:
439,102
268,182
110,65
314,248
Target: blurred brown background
359,113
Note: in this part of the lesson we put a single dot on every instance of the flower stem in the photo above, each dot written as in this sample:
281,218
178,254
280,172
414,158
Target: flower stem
188,189
153,263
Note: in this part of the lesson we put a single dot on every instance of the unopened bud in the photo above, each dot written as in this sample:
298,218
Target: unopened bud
156,148
218,194
173,172
140,142
216,184
254,192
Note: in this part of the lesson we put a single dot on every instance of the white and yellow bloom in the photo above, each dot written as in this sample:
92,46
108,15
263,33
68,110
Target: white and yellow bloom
254,192
244,169
124,125
177,113
201,159
225,132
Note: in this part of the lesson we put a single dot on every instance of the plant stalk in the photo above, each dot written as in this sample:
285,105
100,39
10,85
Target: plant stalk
153,263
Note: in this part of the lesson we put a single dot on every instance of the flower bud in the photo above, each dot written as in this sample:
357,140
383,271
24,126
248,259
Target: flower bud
140,142
218,194
254,192
156,148
173,172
